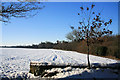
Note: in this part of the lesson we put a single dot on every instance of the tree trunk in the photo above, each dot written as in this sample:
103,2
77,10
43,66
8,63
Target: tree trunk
88,52
88,58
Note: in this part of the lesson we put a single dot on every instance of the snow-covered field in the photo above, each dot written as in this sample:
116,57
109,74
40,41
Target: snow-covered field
16,61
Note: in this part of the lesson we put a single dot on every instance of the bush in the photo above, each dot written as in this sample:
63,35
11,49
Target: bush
101,50
112,50
117,53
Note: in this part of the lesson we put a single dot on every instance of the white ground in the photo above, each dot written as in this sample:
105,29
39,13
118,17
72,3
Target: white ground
84,73
15,61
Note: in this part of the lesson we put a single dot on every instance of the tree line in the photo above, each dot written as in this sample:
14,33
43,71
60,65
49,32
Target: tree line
109,46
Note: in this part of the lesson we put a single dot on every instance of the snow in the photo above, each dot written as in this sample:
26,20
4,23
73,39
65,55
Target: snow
16,61
82,73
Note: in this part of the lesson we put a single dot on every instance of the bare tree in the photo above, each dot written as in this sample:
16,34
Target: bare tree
73,36
92,26
18,9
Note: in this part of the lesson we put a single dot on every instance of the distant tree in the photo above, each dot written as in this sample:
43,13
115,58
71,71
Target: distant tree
64,42
58,42
92,26
74,35
34,46
18,10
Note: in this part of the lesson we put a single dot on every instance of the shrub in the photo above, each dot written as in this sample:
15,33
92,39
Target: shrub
112,50
101,50
117,53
